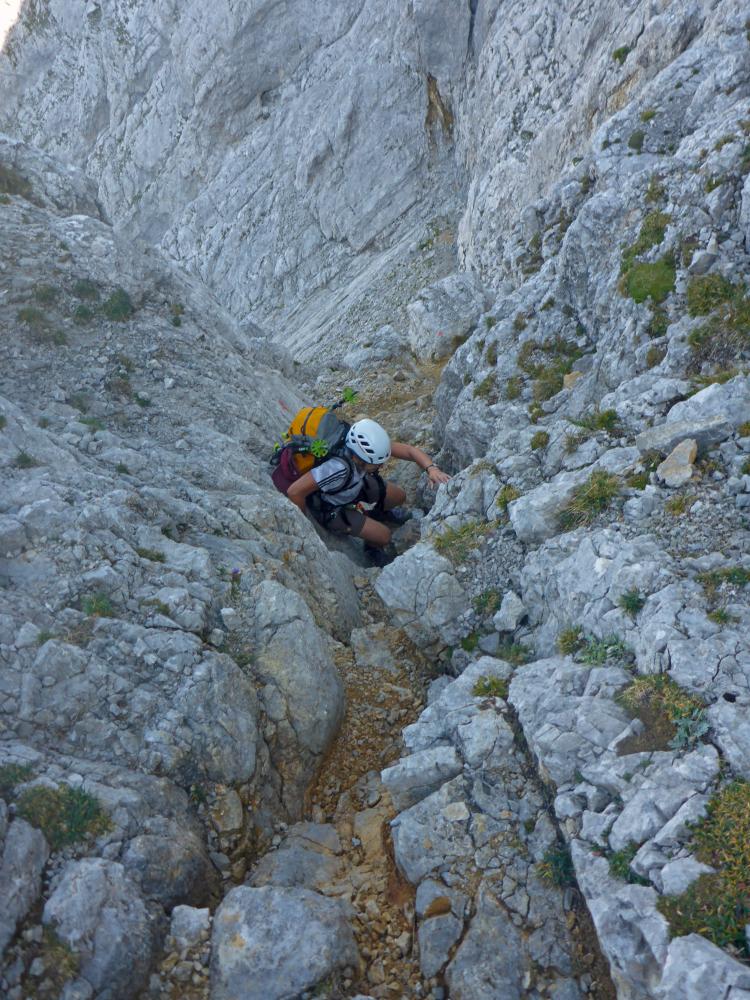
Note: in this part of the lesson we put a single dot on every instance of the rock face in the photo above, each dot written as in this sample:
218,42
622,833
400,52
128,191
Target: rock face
570,237
258,951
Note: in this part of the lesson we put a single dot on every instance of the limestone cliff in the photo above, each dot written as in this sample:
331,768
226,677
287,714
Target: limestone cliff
211,214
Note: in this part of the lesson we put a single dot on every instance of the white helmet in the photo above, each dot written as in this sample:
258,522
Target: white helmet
369,441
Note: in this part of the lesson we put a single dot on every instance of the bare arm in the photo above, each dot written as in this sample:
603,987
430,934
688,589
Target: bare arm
301,489
410,453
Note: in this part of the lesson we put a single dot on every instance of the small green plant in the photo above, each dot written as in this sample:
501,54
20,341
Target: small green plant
153,555
536,412
570,640
648,115
118,306
599,420
82,314
470,642
680,504
32,317
84,288
520,322
489,321
97,606
619,865
235,582
557,867
707,292
46,294
632,601
12,775
457,543
713,182
491,355
539,440
514,652
661,704
507,494
490,687
744,429
655,356
638,480
488,602
548,304
653,281
655,190
486,388
24,461
717,905
635,140
589,500
715,580
513,387
122,469
547,363
621,54
94,423
142,401
177,311
597,652
722,617
689,729
3,422
65,815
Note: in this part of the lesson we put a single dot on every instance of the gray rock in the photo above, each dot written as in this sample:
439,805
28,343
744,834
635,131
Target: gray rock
511,613
677,875
730,402
414,777
437,936
480,970
696,969
272,943
369,352
421,589
99,913
444,314
24,856
189,926
705,431
309,856
677,468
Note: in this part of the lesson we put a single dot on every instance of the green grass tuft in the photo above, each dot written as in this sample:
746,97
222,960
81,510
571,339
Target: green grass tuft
514,652
97,606
717,905
589,500
457,543
25,461
118,306
153,555
539,440
631,601
488,602
635,141
12,775
621,54
65,815
557,867
490,687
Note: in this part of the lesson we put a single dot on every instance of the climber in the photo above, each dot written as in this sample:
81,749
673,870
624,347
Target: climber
332,491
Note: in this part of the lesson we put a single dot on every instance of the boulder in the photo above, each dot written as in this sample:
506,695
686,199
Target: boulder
272,943
704,431
24,856
730,402
421,588
444,314
511,612
677,468
695,969
189,926
368,351
98,912
416,776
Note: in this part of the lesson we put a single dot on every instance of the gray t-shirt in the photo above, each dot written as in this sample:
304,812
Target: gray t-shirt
331,475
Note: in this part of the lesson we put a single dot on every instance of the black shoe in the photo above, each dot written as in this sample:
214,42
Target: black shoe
378,557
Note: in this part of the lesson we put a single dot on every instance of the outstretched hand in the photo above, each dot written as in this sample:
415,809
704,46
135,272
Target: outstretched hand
437,476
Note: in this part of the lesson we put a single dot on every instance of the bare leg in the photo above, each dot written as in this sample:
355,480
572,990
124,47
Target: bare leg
375,533
394,496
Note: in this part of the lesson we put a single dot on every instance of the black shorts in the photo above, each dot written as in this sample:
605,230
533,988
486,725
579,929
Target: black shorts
347,520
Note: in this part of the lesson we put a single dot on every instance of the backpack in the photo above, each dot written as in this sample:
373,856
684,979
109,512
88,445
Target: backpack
314,435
